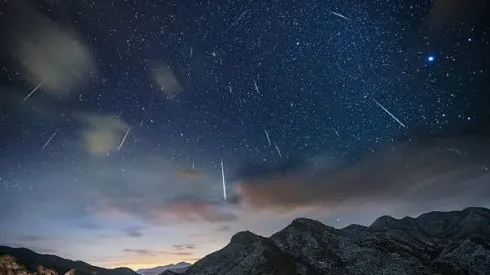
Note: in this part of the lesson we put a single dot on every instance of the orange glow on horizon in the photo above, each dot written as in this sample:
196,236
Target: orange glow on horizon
144,264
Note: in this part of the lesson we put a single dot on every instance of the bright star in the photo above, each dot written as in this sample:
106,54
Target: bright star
431,58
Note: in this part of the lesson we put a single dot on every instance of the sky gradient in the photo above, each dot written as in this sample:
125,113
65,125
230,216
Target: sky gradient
115,118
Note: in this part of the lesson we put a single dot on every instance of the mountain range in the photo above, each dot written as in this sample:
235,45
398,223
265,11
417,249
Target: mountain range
456,242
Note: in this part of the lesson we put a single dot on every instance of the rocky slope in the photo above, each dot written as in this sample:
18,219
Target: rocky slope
22,261
456,242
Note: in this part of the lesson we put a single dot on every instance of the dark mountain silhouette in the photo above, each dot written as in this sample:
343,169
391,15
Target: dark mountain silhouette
16,261
456,242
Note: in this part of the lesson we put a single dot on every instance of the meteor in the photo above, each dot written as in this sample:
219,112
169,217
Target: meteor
388,112
340,15
49,140
32,92
124,138
223,177
268,138
256,87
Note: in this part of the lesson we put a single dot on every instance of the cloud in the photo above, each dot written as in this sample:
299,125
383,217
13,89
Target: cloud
190,174
107,209
33,238
164,77
184,246
191,210
145,252
447,13
182,253
224,228
134,232
50,55
412,172
89,226
101,133
176,211
155,253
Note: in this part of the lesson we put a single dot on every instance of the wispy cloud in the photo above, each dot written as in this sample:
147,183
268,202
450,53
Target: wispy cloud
89,226
101,133
184,246
224,228
176,211
52,56
165,78
410,172
134,232
190,174
34,238
155,253
145,252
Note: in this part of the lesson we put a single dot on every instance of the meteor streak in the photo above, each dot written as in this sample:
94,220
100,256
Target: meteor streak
278,151
223,176
238,19
388,112
32,92
256,87
124,138
268,138
49,140
340,15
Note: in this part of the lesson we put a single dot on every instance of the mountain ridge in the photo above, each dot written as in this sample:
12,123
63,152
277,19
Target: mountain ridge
24,261
453,242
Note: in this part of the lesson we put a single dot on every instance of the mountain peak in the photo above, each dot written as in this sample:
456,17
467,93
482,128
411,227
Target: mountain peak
244,237
300,222
384,222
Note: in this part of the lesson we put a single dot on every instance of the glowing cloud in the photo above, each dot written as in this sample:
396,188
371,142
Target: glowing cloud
163,75
53,58
102,133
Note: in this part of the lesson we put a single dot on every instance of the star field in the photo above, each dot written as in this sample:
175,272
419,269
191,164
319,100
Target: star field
123,105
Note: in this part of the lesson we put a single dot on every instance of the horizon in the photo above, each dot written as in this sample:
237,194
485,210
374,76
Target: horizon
143,134
138,266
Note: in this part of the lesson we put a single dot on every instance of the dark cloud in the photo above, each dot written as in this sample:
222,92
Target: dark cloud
260,169
447,13
175,211
415,172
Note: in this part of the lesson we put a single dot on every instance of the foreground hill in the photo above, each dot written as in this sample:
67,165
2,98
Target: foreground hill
22,261
456,242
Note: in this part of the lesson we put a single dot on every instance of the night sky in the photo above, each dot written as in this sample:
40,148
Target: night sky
115,118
